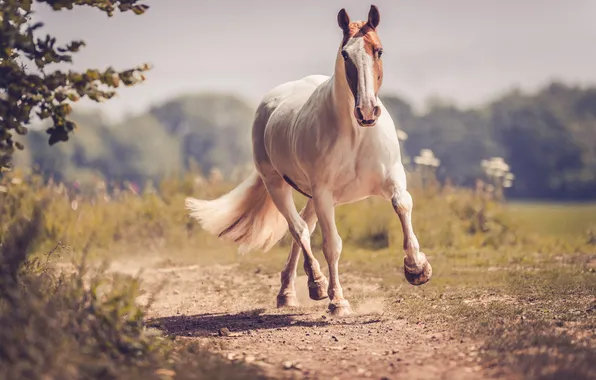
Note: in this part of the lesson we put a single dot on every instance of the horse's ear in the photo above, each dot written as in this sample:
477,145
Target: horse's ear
373,17
343,20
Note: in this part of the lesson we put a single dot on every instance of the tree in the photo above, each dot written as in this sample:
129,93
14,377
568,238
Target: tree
214,129
28,86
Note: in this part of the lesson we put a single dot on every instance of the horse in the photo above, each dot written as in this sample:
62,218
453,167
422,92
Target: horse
332,140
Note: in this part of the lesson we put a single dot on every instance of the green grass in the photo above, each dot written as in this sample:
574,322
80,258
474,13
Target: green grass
556,219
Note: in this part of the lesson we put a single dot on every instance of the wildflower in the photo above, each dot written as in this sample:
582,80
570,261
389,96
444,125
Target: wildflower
427,158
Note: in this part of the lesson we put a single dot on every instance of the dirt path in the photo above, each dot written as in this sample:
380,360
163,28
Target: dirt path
233,312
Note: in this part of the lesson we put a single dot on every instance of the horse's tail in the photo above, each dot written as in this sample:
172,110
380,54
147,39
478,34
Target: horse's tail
245,215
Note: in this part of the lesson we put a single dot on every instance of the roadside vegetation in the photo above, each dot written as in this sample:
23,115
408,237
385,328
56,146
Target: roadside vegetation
520,278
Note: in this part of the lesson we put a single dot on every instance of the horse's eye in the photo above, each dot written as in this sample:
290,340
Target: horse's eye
379,53
344,54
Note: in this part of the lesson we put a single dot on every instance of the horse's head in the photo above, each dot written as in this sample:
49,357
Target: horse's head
361,51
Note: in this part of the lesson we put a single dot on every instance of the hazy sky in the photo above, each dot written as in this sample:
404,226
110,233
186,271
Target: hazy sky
466,50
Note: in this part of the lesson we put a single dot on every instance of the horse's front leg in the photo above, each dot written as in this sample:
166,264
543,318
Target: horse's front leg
417,269
332,245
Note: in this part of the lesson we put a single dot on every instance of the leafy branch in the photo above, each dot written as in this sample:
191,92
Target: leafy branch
28,86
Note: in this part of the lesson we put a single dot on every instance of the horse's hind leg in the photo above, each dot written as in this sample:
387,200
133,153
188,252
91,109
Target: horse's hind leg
281,194
317,283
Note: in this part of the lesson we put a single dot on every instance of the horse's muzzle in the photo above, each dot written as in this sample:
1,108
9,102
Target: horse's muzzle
367,116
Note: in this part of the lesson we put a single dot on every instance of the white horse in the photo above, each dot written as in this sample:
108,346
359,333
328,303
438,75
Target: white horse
331,139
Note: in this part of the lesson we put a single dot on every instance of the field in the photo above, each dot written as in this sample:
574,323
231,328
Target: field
557,219
513,294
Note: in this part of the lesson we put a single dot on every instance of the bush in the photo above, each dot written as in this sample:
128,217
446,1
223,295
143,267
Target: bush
83,324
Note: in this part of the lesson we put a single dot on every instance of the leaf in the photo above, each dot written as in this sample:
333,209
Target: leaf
73,96
92,74
57,136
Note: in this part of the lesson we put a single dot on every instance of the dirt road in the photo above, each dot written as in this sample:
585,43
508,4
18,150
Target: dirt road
233,313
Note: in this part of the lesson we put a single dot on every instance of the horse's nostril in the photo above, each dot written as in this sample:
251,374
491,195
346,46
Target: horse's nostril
359,113
377,111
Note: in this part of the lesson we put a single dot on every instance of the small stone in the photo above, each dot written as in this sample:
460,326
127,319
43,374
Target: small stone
249,359
165,373
224,331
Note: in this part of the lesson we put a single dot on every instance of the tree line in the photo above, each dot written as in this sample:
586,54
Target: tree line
548,138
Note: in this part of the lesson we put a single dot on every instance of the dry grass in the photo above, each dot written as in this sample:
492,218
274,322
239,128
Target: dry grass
516,277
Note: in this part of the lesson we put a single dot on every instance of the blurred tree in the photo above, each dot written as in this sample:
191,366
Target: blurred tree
548,138
461,138
139,150
214,129
28,86
549,141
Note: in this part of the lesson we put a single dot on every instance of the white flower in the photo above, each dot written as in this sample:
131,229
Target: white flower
495,167
401,135
427,158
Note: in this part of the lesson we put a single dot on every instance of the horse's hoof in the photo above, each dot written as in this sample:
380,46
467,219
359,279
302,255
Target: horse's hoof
317,290
287,300
421,277
340,309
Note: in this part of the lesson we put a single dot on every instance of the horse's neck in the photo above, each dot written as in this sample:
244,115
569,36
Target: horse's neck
341,97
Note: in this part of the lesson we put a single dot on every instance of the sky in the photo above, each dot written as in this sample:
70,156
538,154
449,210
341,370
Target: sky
468,51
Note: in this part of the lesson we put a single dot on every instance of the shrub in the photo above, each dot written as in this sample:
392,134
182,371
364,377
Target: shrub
84,324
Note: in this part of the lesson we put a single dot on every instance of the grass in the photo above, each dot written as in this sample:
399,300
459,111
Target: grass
558,219
520,278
